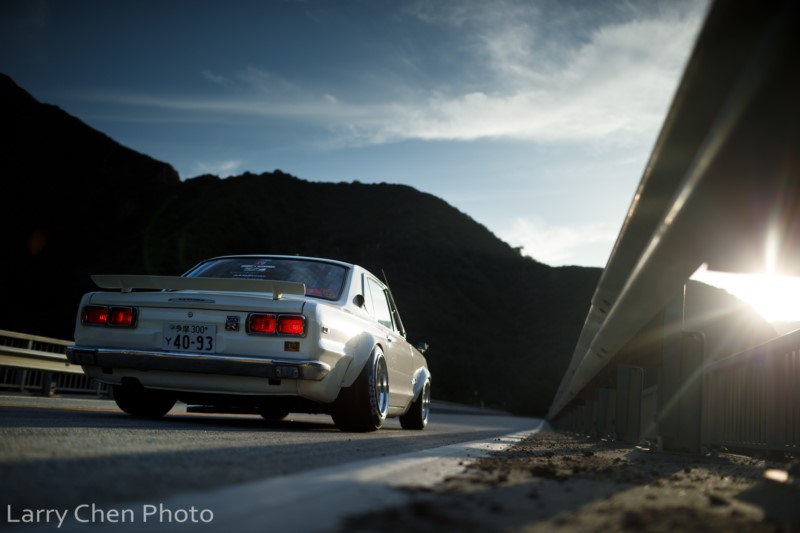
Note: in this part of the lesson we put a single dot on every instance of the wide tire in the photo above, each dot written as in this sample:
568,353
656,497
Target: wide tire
363,406
145,403
417,415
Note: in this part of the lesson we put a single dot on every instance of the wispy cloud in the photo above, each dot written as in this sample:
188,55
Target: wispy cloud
549,84
216,79
543,80
266,82
560,244
222,169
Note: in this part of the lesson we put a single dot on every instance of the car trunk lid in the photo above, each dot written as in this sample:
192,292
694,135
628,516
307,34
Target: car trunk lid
201,293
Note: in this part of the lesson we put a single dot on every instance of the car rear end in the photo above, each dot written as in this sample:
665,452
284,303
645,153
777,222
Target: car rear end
206,342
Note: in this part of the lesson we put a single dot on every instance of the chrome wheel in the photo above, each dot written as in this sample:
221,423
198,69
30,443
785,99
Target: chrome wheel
417,415
381,387
426,401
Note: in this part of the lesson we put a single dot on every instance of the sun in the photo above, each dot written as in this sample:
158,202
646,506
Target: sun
776,298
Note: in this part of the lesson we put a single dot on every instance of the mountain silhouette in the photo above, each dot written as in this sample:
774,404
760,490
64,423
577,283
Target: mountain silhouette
501,326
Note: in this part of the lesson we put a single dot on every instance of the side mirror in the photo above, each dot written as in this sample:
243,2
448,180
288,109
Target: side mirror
359,300
422,347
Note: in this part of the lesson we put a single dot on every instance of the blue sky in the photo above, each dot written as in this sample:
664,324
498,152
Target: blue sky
535,118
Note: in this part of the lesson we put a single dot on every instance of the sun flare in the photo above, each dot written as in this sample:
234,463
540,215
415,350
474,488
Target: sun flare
776,298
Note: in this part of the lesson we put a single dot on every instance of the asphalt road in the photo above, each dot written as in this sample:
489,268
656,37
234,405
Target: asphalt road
63,453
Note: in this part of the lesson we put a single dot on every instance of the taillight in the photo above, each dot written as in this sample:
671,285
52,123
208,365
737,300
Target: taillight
100,315
291,324
269,324
121,316
95,315
264,324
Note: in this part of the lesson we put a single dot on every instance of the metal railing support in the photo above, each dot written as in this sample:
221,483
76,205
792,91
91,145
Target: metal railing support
589,418
680,396
39,364
606,412
627,426
752,399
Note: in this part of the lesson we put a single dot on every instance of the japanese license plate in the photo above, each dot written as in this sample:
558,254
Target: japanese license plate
180,337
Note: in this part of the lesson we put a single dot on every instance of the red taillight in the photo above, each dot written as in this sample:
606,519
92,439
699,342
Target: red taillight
291,325
268,324
264,324
121,316
100,315
95,315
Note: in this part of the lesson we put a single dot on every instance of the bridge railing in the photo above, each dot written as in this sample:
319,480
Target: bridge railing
31,363
748,402
751,400
721,189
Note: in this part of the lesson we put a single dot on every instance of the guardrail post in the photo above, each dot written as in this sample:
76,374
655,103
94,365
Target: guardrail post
20,376
590,418
48,384
680,395
627,425
606,407
782,424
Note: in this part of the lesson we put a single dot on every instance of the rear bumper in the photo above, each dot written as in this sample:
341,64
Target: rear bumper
227,365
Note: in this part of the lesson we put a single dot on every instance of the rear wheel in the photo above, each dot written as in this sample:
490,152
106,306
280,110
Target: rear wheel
363,406
146,403
417,415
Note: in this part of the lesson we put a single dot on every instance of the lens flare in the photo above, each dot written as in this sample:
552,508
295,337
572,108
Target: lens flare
774,297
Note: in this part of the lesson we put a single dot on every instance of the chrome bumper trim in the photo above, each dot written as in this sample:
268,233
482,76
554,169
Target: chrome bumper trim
230,365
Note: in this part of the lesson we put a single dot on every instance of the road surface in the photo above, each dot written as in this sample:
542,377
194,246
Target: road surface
82,456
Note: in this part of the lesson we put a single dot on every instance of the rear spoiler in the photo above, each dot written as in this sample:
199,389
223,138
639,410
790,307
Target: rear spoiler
126,283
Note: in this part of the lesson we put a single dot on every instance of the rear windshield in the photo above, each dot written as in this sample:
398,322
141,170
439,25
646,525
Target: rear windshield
322,280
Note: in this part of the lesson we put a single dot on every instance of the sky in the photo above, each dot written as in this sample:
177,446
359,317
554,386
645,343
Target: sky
534,117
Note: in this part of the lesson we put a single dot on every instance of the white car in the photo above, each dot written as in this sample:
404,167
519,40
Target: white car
264,334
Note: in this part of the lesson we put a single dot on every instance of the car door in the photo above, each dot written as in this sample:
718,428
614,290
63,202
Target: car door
394,345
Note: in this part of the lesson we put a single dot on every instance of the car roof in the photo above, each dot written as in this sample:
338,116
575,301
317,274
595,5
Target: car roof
273,256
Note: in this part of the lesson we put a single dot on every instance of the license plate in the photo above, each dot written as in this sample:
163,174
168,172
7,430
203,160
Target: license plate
180,337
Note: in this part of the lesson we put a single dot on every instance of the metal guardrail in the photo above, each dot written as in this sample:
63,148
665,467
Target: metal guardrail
36,353
35,363
751,400
722,186
748,402
722,172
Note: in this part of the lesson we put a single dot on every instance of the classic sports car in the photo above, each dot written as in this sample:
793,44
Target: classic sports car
262,334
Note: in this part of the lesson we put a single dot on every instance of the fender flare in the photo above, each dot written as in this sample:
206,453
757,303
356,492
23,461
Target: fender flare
421,376
361,352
